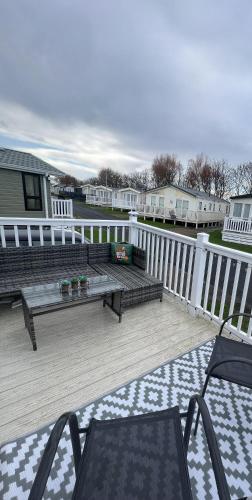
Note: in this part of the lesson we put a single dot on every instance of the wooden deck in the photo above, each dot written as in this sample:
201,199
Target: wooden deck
82,354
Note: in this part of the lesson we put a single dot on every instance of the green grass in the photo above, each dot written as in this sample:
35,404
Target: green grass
160,225
216,237
245,321
107,211
96,234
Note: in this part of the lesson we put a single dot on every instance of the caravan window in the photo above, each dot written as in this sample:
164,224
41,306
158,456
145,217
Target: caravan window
246,211
32,192
161,202
237,210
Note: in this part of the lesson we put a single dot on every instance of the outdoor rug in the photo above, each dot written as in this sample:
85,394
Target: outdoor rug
171,384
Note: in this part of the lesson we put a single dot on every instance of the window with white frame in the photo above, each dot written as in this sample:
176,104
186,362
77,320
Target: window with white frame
153,201
237,210
161,202
210,207
246,211
200,205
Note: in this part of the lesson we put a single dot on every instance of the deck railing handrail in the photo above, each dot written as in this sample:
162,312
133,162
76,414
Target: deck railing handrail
62,208
238,225
213,280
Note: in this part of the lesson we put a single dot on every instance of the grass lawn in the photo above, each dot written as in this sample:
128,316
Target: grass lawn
215,237
108,211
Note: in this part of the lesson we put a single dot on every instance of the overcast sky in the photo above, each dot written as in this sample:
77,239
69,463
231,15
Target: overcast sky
112,83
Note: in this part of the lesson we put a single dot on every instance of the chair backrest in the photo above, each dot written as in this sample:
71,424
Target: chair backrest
35,258
99,253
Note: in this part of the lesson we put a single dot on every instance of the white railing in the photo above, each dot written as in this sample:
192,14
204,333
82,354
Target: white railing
62,208
124,204
32,232
237,224
212,280
111,202
98,200
195,216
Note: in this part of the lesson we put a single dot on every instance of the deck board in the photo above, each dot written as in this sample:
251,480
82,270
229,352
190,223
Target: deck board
82,354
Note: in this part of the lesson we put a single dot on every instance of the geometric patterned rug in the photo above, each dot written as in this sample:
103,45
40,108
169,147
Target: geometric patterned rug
171,384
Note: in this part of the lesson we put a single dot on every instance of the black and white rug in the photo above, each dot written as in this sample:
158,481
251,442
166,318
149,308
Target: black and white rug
171,384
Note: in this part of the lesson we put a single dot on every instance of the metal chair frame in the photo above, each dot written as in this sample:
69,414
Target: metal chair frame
70,418
236,359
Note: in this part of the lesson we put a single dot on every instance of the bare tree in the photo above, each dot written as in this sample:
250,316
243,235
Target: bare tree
166,169
241,179
68,180
197,171
221,178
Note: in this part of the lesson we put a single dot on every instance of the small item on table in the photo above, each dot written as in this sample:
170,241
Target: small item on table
83,280
74,283
65,284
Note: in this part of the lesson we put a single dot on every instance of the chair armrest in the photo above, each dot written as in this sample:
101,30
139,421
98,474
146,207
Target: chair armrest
40,481
217,464
236,315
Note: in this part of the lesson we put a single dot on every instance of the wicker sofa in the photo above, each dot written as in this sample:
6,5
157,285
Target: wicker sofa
26,266
138,285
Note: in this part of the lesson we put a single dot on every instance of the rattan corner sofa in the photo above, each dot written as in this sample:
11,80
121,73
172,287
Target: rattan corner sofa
27,266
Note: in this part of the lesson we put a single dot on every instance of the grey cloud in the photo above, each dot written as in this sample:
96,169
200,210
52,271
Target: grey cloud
162,75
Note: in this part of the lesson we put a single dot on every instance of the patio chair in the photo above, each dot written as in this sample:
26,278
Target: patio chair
230,360
141,457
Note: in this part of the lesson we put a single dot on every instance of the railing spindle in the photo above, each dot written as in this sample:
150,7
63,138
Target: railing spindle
235,285
29,235
177,267
209,272
244,295
171,265
224,290
41,235
216,283
161,258
2,232
156,256
16,236
52,236
182,274
82,234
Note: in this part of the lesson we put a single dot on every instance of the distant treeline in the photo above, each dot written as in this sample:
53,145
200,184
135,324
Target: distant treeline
212,176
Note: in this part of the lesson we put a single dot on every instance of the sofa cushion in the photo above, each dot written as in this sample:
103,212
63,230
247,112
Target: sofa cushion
12,283
121,253
16,260
99,253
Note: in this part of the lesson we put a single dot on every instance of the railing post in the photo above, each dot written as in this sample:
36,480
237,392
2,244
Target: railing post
133,233
198,272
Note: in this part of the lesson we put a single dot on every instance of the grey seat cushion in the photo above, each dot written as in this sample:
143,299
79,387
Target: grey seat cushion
138,285
13,282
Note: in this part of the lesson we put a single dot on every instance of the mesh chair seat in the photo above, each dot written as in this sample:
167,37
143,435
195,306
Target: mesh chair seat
139,457
238,373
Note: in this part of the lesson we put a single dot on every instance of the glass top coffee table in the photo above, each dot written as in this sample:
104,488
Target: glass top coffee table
42,299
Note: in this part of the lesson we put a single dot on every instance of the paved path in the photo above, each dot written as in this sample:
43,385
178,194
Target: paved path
81,210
